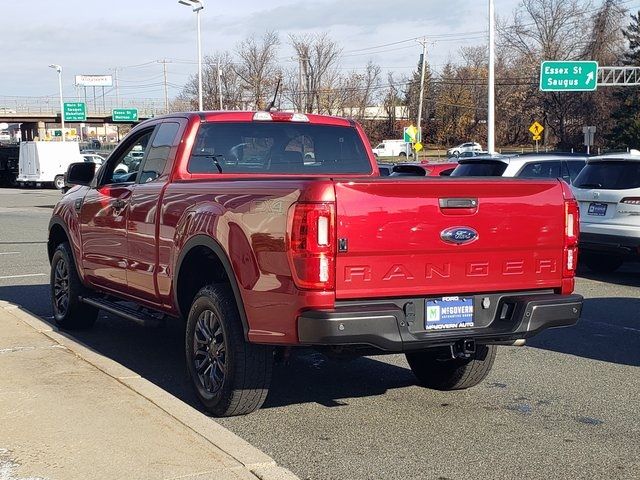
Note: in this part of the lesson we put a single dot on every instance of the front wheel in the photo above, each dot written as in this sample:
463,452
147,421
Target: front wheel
230,376
58,182
434,370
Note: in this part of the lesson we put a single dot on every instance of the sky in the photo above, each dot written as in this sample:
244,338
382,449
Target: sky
94,37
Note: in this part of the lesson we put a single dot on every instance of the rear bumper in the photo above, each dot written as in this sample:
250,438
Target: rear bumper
396,327
624,246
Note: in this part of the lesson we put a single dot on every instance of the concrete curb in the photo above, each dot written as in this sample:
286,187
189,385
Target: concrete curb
257,462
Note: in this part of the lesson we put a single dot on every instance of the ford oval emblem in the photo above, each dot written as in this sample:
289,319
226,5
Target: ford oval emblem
459,235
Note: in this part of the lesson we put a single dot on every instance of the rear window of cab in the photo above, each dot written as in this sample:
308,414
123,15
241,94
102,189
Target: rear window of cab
480,168
278,148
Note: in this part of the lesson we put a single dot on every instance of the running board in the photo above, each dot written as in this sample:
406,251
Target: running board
123,311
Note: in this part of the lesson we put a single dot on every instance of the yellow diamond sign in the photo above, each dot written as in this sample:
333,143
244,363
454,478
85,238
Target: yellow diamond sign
536,129
417,147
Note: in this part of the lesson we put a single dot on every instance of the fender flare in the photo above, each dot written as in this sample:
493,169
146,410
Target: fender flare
208,242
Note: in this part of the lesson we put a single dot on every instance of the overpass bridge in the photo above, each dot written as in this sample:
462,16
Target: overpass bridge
34,113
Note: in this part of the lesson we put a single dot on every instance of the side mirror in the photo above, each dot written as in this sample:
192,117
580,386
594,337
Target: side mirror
80,173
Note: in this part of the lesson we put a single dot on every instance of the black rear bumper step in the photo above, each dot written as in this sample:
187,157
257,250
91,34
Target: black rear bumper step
388,328
123,311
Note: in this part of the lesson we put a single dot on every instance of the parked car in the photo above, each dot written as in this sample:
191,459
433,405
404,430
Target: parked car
608,190
464,147
260,252
385,169
562,166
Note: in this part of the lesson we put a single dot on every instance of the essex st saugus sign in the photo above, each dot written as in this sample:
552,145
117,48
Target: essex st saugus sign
561,76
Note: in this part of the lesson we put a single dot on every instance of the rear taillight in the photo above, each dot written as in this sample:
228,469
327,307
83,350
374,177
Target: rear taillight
631,200
311,245
571,234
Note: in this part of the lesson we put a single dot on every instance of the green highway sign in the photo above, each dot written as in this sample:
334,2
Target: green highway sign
124,115
57,133
75,112
579,76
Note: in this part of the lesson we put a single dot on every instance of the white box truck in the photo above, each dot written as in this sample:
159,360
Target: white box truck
392,148
41,163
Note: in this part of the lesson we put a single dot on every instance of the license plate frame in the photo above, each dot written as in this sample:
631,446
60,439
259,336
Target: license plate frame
597,209
449,313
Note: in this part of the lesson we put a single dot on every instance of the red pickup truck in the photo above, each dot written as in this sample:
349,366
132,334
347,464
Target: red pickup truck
272,230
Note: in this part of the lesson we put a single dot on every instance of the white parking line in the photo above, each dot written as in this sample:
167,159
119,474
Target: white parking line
9,253
25,275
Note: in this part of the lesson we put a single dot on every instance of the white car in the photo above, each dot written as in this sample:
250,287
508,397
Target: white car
464,147
608,191
545,165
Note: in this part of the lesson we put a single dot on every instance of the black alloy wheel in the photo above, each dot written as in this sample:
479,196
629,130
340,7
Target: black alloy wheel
61,287
209,352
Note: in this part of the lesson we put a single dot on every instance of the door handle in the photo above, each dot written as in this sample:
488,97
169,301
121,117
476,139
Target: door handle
118,204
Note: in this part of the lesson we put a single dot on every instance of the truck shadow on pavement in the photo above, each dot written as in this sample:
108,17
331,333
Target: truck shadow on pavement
608,331
625,276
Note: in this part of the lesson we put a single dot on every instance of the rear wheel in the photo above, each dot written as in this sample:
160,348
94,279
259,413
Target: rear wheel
402,154
66,288
58,182
230,376
602,263
434,370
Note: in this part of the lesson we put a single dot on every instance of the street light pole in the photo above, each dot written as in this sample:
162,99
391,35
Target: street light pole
491,146
197,5
58,69
422,67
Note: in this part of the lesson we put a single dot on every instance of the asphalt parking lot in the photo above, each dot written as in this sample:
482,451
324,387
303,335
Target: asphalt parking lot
565,406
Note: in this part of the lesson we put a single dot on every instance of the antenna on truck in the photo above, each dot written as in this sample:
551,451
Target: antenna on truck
275,95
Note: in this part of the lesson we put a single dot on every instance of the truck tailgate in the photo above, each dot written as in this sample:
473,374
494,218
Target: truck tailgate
400,237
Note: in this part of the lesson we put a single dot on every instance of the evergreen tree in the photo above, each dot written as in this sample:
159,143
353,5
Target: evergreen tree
626,133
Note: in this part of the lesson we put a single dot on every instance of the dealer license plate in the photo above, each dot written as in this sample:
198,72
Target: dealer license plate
448,312
597,209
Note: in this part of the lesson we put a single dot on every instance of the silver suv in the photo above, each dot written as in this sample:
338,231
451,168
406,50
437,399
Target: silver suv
547,165
608,191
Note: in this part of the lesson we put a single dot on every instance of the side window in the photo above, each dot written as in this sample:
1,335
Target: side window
158,153
124,167
541,170
575,167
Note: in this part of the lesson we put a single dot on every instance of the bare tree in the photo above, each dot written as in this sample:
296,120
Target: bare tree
257,68
317,57
231,85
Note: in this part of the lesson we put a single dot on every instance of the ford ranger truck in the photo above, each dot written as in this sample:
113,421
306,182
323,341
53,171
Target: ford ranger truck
270,230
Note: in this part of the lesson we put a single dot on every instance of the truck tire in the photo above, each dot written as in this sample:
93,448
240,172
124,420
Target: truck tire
66,288
402,154
58,182
230,376
602,263
433,371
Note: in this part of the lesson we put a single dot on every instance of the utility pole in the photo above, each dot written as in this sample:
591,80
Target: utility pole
423,42
220,84
300,90
491,146
117,85
166,91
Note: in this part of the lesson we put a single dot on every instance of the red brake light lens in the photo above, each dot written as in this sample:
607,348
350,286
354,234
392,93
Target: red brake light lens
572,232
311,245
